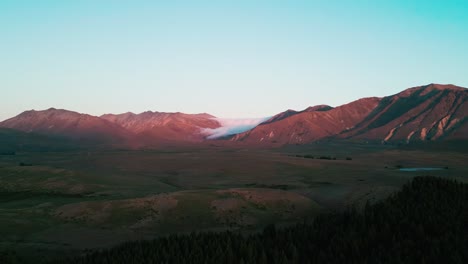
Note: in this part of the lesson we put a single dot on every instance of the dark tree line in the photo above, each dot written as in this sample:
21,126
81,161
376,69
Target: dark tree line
308,156
425,222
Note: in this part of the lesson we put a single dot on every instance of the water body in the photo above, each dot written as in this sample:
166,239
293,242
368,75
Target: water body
420,169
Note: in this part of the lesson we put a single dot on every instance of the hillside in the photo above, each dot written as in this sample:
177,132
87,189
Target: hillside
157,126
430,112
69,124
423,113
127,129
308,126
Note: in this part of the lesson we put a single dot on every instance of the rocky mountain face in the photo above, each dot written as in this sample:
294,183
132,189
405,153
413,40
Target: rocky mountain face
430,112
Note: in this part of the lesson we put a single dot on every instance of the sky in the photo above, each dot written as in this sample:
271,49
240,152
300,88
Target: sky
228,58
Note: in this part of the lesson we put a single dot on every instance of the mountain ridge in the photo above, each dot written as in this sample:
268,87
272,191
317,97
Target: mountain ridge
422,113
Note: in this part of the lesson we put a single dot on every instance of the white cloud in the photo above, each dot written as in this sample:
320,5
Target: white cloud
231,126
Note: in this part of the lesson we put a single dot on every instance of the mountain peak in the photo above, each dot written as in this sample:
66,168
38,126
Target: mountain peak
48,112
444,86
205,115
318,108
425,89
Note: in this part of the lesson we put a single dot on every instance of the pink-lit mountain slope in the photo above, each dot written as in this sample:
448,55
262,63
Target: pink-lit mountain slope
157,126
423,113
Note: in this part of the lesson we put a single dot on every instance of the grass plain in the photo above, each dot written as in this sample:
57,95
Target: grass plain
69,201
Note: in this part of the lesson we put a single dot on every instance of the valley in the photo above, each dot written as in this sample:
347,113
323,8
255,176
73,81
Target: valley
69,201
233,132
71,183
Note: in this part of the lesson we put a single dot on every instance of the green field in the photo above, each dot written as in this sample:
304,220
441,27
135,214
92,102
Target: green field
85,199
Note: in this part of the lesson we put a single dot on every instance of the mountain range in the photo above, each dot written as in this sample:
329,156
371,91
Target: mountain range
425,113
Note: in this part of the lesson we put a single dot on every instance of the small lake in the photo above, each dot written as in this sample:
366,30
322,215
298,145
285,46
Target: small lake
420,169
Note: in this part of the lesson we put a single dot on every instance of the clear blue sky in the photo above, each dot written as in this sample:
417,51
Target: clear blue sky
228,58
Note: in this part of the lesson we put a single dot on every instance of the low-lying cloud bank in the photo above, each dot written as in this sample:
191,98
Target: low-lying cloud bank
231,126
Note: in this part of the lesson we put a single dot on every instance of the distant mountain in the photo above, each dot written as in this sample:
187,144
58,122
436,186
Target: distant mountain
424,113
123,129
157,126
290,112
318,108
430,112
307,126
69,124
